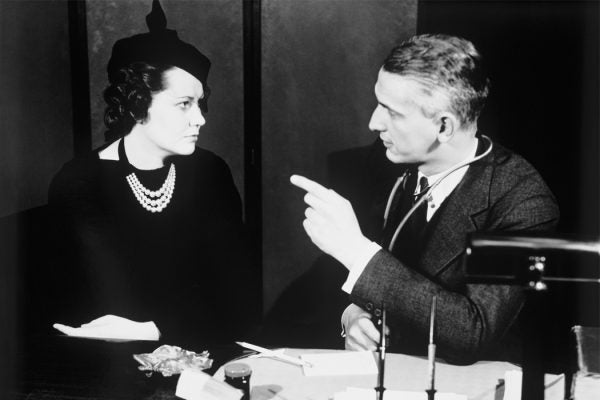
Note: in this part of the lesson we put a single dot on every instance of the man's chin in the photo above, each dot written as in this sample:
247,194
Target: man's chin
395,158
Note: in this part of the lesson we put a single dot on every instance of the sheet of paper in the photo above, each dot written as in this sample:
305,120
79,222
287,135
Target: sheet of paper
341,363
194,384
369,394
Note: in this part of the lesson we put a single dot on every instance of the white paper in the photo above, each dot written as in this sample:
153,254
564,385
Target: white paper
194,384
370,394
341,363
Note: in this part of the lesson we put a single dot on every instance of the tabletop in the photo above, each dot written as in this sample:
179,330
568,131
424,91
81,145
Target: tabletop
59,367
273,379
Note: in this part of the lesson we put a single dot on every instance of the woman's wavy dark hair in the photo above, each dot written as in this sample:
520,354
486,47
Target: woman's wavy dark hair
129,95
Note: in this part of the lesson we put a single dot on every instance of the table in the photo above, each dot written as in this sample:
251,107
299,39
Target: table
57,367
277,380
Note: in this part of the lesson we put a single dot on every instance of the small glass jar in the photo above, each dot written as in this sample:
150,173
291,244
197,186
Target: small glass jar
238,376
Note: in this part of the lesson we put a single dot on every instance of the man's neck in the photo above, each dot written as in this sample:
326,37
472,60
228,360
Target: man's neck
450,155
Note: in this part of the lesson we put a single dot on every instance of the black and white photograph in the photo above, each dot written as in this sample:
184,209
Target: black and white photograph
300,199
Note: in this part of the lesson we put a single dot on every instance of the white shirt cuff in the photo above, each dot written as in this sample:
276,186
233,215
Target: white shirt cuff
359,265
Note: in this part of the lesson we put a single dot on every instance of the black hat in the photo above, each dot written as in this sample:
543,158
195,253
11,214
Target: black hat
159,45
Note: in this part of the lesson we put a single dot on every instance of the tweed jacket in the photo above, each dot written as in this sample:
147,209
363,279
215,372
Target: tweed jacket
500,192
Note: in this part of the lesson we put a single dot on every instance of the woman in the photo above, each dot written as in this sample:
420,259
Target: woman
154,226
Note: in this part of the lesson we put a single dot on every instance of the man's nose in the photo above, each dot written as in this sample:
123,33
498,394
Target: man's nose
196,117
376,121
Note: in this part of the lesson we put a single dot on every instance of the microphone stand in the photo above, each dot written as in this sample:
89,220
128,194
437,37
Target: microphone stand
431,354
382,344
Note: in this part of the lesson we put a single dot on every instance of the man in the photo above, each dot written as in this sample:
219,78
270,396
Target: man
430,92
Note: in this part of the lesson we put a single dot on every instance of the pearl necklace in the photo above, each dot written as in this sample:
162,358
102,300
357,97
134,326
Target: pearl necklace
153,200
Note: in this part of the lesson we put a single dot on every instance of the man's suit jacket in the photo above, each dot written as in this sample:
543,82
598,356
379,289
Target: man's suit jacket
501,192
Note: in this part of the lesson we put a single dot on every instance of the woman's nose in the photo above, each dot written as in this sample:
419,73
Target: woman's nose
196,117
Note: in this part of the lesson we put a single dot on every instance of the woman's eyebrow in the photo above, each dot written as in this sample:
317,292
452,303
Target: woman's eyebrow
183,97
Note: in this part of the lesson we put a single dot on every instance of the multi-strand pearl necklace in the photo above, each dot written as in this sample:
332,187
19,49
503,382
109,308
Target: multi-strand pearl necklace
153,200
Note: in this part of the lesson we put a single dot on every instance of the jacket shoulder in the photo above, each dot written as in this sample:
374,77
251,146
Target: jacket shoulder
519,194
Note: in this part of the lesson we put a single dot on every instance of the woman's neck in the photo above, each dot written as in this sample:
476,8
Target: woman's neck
142,153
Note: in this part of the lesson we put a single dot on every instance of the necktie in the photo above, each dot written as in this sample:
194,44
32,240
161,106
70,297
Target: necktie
420,216
408,242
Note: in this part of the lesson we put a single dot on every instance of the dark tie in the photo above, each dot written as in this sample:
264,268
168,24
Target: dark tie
408,242
420,216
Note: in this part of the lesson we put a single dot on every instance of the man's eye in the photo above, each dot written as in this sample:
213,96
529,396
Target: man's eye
393,113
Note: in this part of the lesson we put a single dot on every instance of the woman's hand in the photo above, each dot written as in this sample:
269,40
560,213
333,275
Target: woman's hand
112,327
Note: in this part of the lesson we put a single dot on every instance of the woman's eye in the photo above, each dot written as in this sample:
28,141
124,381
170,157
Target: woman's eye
184,104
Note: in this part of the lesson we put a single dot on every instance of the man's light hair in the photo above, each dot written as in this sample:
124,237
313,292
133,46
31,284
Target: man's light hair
446,64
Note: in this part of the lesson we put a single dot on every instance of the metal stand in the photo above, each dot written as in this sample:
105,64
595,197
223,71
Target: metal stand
382,344
533,352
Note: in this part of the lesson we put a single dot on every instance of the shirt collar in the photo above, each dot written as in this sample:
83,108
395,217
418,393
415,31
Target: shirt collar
447,185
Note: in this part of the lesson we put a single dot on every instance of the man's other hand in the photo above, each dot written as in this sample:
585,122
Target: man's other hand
330,222
361,333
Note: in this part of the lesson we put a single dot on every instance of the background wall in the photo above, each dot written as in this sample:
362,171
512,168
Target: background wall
320,63
36,135
36,131
214,27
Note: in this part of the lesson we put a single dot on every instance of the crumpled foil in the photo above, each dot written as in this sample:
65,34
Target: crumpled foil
170,360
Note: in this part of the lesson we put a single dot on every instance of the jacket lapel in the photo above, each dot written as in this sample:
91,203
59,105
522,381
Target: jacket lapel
447,239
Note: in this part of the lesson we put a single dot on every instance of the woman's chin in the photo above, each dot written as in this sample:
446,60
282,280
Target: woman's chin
186,150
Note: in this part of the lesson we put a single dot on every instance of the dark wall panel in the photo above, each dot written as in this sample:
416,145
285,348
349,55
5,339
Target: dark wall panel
35,137
320,63
35,106
214,27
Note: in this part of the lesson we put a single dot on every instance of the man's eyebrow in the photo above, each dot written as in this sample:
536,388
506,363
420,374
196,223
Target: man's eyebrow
389,108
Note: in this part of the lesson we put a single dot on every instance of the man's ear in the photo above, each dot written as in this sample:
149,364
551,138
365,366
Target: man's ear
447,127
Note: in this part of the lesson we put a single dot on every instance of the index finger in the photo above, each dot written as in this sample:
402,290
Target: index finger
310,186
67,330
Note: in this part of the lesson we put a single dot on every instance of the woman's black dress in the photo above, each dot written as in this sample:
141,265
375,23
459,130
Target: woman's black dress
186,268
